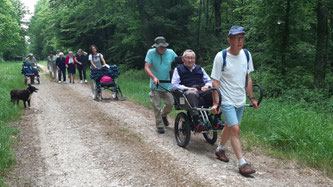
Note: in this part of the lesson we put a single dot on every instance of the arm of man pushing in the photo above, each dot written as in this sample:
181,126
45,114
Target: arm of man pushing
150,74
216,84
250,92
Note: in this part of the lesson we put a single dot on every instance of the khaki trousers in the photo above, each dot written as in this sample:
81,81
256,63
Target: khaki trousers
155,99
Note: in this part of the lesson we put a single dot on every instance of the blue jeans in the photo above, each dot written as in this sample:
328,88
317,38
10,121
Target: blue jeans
62,72
232,115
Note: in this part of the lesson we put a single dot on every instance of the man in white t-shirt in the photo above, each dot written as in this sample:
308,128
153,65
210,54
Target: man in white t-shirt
231,81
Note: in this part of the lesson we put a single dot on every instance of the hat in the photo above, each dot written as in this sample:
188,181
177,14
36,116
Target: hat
61,54
30,54
160,41
236,30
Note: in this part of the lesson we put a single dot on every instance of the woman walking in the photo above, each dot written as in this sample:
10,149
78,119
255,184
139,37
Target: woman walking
80,59
96,59
51,65
71,66
61,65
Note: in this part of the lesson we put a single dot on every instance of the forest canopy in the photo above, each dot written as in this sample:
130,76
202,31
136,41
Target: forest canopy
290,41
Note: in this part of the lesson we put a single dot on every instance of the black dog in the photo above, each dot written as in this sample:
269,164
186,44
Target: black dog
24,95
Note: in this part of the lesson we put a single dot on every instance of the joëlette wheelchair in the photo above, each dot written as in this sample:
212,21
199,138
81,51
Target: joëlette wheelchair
30,72
97,86
184,123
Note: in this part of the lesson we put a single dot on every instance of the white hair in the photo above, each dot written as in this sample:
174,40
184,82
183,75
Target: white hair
188,51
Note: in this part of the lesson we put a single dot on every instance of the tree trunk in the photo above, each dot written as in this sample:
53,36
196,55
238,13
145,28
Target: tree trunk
285,38
145,23
199,23
217,10
322,46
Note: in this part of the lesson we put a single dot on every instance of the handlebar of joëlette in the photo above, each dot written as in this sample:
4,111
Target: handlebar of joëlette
260,97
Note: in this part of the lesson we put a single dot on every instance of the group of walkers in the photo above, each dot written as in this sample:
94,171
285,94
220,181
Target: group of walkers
230,74
58,64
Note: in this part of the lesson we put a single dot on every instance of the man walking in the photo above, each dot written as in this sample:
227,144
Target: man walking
157,66
230,74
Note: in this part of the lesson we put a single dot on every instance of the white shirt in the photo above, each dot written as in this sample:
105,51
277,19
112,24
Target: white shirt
232,79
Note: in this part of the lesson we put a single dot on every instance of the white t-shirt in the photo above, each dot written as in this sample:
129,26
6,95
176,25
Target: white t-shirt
232,79
96,59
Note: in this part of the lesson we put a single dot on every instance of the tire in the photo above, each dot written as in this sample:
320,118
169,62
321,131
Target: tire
182,130
210,137
99,96
94,90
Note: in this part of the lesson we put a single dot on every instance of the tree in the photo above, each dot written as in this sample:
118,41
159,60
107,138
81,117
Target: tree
322,45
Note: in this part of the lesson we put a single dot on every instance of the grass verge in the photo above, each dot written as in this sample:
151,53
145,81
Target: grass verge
286,130
10,78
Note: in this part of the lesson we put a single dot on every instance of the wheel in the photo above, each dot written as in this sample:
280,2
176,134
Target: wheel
99,96
210,137
182,129
94,90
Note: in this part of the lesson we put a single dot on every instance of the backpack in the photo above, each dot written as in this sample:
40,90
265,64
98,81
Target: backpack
224,57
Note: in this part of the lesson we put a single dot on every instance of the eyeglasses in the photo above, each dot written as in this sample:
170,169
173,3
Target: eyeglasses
238,38
189,58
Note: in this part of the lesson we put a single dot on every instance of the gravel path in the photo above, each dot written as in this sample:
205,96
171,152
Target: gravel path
67,139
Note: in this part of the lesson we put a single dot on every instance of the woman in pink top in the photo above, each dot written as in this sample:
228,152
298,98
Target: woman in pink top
71,66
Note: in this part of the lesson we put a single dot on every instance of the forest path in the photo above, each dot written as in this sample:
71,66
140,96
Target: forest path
68,139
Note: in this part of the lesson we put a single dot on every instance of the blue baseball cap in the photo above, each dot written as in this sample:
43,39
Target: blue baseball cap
236,30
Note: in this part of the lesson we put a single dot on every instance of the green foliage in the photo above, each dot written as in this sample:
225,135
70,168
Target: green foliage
10,78
293,130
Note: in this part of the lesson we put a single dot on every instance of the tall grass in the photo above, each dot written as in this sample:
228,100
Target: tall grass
10,78
286,129
296,132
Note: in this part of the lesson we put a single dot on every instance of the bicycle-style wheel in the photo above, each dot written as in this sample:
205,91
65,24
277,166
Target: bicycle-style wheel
94,90
182,129
210,137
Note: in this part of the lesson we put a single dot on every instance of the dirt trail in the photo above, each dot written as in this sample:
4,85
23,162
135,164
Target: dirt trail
67,139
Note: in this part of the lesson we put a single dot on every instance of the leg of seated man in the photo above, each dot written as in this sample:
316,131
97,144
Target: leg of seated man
193,99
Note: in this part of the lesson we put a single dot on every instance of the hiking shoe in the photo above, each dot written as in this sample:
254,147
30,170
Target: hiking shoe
165,121
221,156
160,130
246,169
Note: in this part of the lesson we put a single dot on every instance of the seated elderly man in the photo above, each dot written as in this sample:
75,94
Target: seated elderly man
195,83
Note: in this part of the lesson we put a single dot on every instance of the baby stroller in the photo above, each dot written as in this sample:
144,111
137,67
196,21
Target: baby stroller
105,78
30,72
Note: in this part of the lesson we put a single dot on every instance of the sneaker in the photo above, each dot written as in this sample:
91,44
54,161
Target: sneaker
59,82
65,82
85,81
221,156
246,169
165,121
160,130
81,81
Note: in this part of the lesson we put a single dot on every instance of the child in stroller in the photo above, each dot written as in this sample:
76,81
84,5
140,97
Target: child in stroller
105,78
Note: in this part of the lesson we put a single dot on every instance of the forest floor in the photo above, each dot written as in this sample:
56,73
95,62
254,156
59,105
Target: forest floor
68,139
